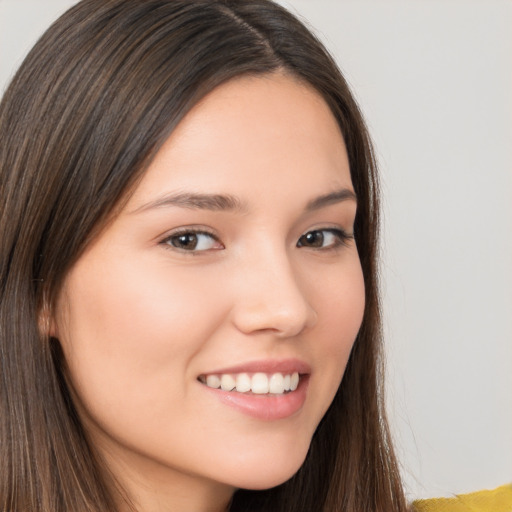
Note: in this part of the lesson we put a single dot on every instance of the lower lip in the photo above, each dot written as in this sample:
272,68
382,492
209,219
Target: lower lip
265,407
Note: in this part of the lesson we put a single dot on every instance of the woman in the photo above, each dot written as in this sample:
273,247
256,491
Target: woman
185,277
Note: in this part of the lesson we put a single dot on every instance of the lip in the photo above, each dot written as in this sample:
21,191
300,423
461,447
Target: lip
266,366
265,407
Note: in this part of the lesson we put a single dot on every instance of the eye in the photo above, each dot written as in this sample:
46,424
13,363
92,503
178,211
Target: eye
324,239
193,241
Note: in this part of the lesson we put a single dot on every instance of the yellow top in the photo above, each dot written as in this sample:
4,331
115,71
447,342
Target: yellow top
498,500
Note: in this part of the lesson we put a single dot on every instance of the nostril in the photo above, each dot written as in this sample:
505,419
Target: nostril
280,321
270,298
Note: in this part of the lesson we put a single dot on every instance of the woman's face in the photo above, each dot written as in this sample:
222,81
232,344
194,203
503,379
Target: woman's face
233,263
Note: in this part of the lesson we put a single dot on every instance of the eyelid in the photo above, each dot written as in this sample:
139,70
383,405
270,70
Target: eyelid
165,241
343,238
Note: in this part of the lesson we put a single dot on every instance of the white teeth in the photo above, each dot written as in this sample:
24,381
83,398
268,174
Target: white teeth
213,381
276,384
287,379
294,381
243,383
227,382
259,383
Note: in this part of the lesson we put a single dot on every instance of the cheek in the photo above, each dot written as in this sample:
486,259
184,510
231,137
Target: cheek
348,310
340,307
131,332
341,303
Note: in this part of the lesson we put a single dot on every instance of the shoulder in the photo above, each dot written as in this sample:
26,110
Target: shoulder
497,500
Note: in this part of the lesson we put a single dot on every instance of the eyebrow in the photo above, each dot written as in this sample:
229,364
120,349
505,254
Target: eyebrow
337,196
226,202
212,202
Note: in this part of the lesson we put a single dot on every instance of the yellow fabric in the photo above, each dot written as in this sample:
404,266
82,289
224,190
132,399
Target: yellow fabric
498,500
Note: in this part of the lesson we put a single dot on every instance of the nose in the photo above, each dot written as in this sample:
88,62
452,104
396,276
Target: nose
269,298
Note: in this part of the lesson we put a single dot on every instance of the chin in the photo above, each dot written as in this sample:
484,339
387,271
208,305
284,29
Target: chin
271,473
266,481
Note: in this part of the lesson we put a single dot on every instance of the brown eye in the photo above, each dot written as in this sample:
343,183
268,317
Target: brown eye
312,239
193,241
324,239
187,241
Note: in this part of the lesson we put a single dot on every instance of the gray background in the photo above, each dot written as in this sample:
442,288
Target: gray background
434,79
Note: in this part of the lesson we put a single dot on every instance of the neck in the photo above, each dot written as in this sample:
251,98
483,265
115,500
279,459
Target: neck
140,485
171,493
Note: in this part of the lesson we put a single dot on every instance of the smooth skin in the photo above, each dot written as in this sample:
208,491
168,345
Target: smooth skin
177,287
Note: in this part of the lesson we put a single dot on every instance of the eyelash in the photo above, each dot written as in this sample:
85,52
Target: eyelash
167,242
341,238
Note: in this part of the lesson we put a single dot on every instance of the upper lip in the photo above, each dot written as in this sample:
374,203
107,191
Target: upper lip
286,366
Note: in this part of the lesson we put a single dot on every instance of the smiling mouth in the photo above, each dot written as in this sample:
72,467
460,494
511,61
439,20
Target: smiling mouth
256,383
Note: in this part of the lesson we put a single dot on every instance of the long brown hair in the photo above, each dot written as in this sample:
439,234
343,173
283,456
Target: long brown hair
90,106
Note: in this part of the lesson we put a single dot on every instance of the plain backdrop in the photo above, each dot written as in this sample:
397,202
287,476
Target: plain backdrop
434,79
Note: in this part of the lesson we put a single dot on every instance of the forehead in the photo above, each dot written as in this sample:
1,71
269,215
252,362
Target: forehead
258,134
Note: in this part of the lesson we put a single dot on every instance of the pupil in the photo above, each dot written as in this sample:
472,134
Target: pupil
188,241
315,239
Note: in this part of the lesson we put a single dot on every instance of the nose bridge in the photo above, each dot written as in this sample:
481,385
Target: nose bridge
270,294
